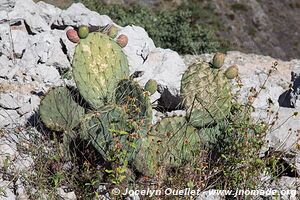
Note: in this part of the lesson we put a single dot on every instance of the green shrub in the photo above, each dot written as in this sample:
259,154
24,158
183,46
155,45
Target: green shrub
239,6
168,29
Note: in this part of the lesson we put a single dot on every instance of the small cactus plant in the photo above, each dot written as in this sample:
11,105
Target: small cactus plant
151,86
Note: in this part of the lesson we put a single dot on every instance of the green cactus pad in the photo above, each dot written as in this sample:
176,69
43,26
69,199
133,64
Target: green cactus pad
59,111
98,65
209,136
170,143
151,86
206,94
131,96
106,129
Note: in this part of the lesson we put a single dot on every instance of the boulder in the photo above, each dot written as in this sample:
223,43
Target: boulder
77,14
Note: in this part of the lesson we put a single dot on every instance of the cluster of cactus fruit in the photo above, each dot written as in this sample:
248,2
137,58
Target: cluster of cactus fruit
120,111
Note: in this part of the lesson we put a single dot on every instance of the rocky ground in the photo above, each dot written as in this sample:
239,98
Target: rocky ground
35,55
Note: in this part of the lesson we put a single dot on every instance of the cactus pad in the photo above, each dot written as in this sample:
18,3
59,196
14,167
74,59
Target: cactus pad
98,65
170,143
59,111
151,86
206,94
107,129
131,96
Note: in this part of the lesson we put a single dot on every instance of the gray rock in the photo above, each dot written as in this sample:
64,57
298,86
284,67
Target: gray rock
48,12
7,69
41,45
12,100
8,118
6,42
20,39
29,12
176,113
138,47
7,5
295,91
8,152
56,56
7,186
30,57
66,195
77,14
25,108
46,74
21,191
287,184
166,67
22,163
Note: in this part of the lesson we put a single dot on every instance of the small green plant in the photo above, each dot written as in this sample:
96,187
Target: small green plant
239,7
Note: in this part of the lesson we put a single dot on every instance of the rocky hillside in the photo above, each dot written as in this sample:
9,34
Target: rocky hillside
261,27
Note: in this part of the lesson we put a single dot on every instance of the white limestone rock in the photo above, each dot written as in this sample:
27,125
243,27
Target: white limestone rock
138,48
29,12
77,14
48,12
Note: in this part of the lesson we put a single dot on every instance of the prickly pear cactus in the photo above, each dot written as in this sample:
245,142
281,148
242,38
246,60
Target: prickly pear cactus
170,143
209,136
98,65
108,129
131,96
206,94
59,111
